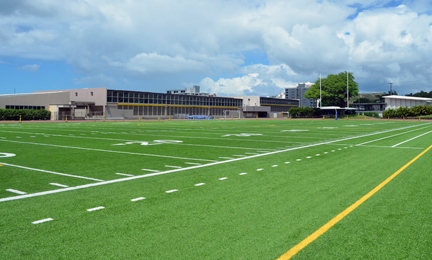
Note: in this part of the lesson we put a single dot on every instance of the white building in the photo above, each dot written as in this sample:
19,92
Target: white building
299,93
194,91
394,101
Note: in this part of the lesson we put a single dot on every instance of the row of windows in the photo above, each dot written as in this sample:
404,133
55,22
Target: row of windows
172,111
25,107
167,99
279,101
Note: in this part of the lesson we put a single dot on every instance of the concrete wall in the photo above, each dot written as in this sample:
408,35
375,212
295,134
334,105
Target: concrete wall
250,100
401,101
96,95
39,99
112,110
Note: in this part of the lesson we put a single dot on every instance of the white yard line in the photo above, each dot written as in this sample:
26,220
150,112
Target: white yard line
16,191
97,208
137,199
188,168
59,185
124,174
57,173
411,139
391,136
109,151
172,166
150,170
191,163
199,184
171,191
42,221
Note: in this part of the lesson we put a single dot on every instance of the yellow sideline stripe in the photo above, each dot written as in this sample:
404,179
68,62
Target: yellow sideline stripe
341,215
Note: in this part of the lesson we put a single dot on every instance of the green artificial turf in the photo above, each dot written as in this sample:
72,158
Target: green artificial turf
300,174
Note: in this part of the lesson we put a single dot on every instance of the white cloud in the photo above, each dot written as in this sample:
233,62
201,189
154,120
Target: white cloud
165,43
30,68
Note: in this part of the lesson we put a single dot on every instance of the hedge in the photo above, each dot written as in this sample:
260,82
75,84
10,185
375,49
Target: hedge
26,114
304,112
408,111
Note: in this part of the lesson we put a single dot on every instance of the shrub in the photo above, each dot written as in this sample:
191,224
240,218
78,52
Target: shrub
372,114
26,114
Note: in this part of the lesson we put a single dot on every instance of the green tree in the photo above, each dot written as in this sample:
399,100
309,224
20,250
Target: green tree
333,89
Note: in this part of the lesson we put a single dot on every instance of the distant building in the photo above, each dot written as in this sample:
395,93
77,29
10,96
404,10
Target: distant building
395,101
194,91
299,93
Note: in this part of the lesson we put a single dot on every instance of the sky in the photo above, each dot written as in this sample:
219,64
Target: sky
228,47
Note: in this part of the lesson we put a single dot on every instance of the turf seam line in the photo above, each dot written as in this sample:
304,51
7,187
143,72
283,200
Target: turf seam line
294,250
186,168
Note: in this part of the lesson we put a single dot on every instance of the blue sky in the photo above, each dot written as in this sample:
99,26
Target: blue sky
227,47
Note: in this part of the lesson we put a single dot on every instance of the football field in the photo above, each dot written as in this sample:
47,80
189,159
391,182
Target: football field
216,189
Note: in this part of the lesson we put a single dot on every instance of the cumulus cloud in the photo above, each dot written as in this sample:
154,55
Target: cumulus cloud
166,43
30,68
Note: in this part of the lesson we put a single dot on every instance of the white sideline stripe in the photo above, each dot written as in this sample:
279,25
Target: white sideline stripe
42,221
243,173
16,191
136,199
97,208
223,178
170,191
411,139
60,185
391,136
58,173
192,163
124,174
110,151
172,166
189,168
200,184
150,170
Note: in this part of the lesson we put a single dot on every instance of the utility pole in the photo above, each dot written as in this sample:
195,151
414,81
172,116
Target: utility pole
391,91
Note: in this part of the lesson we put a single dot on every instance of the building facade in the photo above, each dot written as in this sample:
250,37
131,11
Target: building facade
299,93
118,104
395,101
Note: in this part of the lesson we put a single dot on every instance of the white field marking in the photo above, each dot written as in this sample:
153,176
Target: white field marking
192,163
124,174
199,184
16,191
223,178
251,153
391,136
275,165
262,151
345,147
59,185
57,173
243,173
243,134
309,157
287,162
350,125
32,136
325,152
351,146
171,191
378,146
110,151
411,139
294,130
333,151
327,127
43,193
317,154
42,221
298,160
228,158
339,149
136,199
97,208
3,155
218,146
172,166
238,155
150,170
260,169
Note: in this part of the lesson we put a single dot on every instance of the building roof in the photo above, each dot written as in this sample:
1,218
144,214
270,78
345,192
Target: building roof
408,98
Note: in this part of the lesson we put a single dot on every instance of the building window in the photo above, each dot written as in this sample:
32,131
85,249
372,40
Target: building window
91,93
76,94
